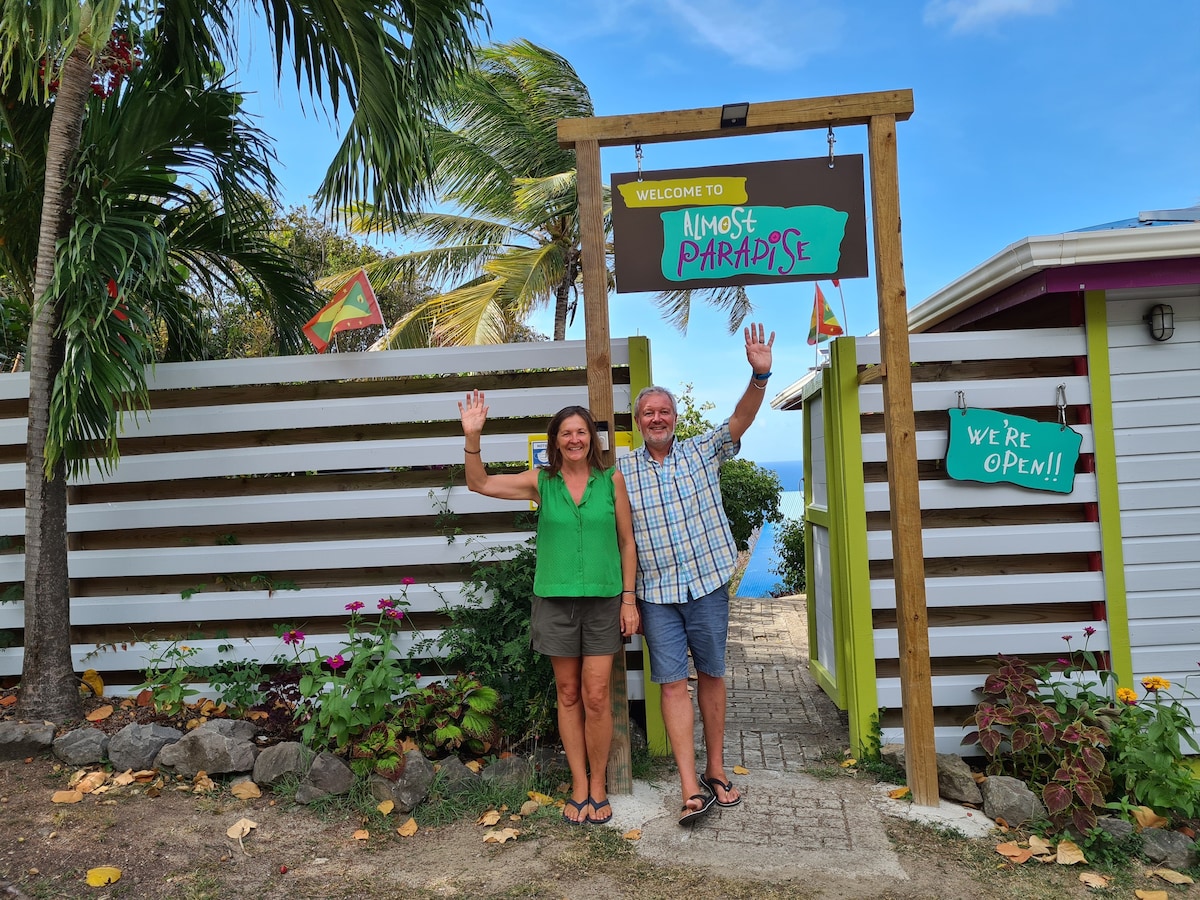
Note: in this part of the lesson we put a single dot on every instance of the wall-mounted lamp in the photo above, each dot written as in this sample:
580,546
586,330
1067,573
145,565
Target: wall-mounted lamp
733,115
1161,320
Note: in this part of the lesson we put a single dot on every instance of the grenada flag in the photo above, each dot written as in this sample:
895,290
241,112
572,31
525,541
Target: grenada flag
823,325
353,306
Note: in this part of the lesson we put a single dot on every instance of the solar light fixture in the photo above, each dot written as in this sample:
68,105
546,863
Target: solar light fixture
1161,320
733,115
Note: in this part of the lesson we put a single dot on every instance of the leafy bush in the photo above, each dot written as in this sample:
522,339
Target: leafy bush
488,635
789,548
750,495
354,690
1058,728
443,718
166,677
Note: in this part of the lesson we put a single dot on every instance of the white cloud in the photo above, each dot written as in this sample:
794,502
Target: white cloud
775,35
972,15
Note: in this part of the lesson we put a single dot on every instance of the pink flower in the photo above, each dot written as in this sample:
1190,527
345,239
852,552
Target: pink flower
1067,638
355,606
335,662
386,602
1063,662
407,581
1089,631
293,637
393,614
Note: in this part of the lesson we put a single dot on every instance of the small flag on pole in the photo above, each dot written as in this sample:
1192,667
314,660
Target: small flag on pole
824,324
353,306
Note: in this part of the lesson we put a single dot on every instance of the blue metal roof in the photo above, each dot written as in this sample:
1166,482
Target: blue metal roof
1149,219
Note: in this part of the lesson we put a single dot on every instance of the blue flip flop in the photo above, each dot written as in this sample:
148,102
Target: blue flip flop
578,806
711,785
599,820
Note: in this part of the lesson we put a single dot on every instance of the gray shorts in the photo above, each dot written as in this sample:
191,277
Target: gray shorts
576,626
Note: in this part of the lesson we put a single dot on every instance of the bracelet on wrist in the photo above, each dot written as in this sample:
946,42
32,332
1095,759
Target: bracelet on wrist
762,377
630,591
631,603
761,385
473,452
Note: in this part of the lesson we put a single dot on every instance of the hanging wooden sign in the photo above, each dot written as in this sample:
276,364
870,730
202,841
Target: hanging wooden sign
755,223
990,446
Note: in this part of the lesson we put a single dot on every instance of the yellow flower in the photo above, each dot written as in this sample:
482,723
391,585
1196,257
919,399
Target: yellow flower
1155,683
1127,695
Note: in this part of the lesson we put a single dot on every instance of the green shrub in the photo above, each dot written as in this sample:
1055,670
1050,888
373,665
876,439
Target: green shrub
750,495
789,548
488,635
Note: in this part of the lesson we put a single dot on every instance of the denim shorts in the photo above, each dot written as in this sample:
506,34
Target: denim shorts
672,629
576,626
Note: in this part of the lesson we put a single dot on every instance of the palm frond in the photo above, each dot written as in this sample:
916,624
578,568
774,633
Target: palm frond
675,306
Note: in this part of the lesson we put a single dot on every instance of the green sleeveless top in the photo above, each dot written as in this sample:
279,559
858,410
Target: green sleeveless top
577,554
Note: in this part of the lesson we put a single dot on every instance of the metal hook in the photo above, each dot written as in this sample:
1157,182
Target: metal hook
962,401
637,153
832,140
1061,401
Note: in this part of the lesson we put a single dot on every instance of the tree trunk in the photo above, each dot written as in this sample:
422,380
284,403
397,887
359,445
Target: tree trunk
49,688
562,296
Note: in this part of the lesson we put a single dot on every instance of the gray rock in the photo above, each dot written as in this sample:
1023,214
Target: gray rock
510,770
136,746
1168,848
455,776
215,747
328,774
82,747
410,788
1010,799
955,780
21,739
280,761
1117,829
893,755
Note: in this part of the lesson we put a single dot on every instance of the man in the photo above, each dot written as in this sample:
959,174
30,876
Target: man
686,556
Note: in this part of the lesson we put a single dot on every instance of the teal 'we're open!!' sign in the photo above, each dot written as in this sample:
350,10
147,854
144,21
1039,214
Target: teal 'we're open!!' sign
991,446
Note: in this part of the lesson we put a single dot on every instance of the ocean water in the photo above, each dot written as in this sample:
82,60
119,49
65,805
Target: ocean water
758,579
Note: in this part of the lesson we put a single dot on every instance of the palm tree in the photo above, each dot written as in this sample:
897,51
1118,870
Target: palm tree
509,241
387,61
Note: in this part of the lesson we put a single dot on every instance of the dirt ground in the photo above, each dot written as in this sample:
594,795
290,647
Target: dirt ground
176,846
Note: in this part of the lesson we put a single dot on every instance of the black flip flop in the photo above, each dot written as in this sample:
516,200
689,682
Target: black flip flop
578,806
691,816
711,784
596,807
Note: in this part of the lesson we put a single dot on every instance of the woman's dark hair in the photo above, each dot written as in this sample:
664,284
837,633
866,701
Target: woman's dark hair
595,458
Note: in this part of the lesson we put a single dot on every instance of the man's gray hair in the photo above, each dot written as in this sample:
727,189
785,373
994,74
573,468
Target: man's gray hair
648,391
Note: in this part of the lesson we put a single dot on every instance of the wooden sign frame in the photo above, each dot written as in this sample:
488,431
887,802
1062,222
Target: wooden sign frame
879,112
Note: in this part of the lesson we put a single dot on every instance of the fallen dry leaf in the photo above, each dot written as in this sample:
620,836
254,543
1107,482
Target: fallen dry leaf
245,790
979,777
500,836
202,784
1148,818
90,782
145,698
361,834
848,762
529,807
740,770
1039,844
1171,876
1017,854
409,744
257,715
8,700
385,808
1069,854
144,775
1094,880
94,682
66,797
899,793
633,834
489,818
123,778
474,765
540,798
102,875
1151,895
100,713
241,828
77,777
408,829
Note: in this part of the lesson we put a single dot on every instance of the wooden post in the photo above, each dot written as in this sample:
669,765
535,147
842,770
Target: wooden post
903,488
600,400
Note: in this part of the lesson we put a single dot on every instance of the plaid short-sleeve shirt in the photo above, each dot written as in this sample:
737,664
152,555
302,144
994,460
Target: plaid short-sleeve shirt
684,545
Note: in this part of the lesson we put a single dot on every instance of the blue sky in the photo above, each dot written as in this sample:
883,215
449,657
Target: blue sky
1031,117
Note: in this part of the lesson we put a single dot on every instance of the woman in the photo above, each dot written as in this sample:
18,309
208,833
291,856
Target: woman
583,605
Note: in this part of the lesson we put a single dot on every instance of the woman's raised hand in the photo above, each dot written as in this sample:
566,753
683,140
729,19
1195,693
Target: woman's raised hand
473,412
